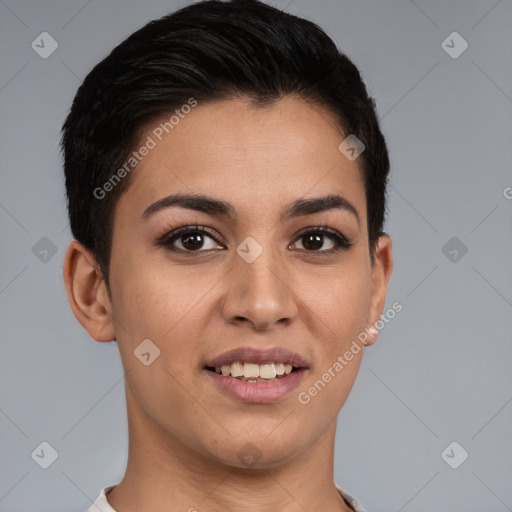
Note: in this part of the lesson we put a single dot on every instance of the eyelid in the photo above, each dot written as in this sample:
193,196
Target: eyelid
324,229
169,236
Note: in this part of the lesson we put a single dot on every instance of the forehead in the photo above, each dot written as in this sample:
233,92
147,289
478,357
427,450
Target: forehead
247,155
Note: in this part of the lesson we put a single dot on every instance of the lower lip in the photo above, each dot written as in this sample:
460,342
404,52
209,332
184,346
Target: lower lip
258,392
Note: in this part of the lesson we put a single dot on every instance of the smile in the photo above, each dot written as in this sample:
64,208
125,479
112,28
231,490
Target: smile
254,389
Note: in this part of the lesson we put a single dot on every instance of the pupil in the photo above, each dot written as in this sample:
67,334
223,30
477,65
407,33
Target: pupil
316,244
188,239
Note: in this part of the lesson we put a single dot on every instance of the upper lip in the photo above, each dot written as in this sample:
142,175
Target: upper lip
258,356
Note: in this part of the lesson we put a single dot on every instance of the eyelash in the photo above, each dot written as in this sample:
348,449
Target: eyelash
341,243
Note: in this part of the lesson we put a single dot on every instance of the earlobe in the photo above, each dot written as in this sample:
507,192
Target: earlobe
382,268
87,292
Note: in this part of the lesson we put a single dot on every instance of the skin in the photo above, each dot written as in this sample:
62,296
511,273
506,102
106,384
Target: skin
184,433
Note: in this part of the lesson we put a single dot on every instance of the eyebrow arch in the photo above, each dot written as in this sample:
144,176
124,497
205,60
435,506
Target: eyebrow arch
220,208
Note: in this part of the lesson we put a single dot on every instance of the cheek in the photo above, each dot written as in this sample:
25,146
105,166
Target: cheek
342,301
169,305
341,304
165,308
350,305
151,296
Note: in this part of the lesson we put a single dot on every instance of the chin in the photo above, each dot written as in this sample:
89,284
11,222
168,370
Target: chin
261,452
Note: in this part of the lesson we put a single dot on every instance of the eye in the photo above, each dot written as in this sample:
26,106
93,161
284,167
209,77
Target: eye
189,239
194,239
313,239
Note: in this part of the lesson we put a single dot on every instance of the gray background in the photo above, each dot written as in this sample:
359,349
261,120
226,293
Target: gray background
440,371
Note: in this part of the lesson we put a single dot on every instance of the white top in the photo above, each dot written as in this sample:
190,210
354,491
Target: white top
102,505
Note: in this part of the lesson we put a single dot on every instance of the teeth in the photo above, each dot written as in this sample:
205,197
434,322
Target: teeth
268,371
254,371
237,369
251,370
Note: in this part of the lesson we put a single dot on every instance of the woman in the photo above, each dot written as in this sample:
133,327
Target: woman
226,180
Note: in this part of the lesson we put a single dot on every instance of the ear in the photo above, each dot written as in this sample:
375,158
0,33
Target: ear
87,292
382,268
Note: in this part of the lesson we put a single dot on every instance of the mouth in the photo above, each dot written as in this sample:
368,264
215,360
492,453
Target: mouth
255,375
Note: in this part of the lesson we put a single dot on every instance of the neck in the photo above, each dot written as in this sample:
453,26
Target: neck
165,474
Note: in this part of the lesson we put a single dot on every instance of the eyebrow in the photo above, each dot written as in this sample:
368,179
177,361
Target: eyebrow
224,209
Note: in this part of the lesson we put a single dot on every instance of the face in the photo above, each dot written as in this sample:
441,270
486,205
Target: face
265,262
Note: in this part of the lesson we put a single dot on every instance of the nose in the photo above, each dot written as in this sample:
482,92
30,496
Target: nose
259,294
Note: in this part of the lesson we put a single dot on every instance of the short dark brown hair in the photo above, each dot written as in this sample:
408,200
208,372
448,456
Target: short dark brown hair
210,50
